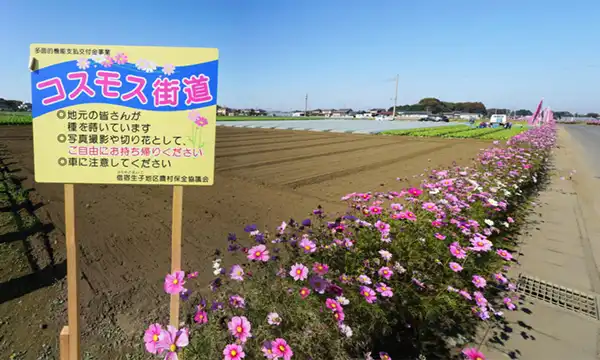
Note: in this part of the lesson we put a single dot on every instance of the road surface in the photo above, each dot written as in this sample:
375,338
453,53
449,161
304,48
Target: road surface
588,137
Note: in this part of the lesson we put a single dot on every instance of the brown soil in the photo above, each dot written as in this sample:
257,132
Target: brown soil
262,177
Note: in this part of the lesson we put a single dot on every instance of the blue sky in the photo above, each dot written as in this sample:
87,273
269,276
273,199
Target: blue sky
342,53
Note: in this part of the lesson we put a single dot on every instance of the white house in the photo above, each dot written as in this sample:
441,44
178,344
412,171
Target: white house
298,113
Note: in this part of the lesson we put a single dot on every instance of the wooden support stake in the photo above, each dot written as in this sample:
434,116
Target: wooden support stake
176,248
72,274
64,343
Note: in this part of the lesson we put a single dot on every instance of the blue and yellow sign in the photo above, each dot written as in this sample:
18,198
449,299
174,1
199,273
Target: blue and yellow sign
124,114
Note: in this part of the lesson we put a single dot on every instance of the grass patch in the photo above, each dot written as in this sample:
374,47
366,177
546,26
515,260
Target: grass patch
426,131
15,119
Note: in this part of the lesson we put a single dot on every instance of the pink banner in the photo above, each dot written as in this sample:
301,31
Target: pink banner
537,113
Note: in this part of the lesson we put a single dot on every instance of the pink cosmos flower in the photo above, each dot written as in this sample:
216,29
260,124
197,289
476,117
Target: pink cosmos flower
240,327
510,220
383,228
473,354
509,304
174,282
480,299
201,317
151,339
237,301
455,266
384,290
504,254
500,278
299,272
171,340
440,236
375,210
320,269
259,253
339,316
307,245
415,191
429,206
281,349
385,272
465,294
304,292
457,251
396,207
332,305
479,281
237,273
384,356
233,352
481,244
410,216
192,275
364,279
368,294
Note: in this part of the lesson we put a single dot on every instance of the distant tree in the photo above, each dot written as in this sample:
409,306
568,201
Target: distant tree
592,115
523,112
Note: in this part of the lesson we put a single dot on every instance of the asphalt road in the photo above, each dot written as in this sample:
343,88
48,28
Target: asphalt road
589,138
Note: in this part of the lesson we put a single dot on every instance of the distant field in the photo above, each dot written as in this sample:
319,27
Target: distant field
460,132
22,118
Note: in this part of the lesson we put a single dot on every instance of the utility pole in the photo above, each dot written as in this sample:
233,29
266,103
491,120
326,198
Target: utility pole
395,99
306,105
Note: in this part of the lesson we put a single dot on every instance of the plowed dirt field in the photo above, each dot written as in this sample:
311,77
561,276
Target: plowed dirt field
262,177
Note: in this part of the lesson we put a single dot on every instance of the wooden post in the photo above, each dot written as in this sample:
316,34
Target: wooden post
176,248
64,343
72,274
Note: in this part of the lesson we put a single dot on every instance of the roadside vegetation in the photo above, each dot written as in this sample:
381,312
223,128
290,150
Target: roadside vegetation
411,273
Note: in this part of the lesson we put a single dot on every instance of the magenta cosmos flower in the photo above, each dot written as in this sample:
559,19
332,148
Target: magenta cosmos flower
151,339
455,266
384,228
233,352
457,251
504,254
171,340
429,206
473,354
384,290
304,292
174,282
368,294
201,317
481,244
479,281
320,269
240,327
333,305
259,253
307,245
385,272
440,236
281,349
299,272
384,356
